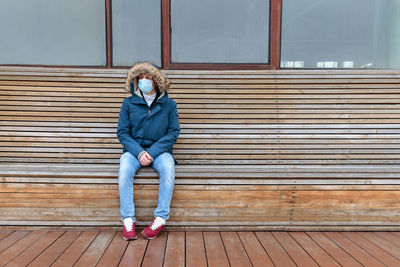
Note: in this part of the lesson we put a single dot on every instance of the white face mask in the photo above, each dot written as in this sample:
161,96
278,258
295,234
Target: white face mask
145,85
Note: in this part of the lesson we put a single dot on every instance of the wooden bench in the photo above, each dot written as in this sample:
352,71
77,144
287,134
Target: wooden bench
283,149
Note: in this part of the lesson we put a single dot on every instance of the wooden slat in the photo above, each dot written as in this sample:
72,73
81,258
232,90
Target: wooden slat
384,244
320,256
255,251
29,254
94,252
114,252
236,253
59,78
216,255
36,88
333,249
9,240
73,252
13,251
209,89
275,250
48,256
49,94
155,251
372,249
395,233
294,250
195,250
134,253
175,250
390,237
5,233
359,254
203,162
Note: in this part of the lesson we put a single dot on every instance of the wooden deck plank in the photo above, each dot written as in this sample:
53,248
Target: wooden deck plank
114,252
5,233
96,249
75,250
382,243
234,249
195,250
275,250
372,249
392,238
396,234
41,248
334,250
175,251
13,251
215,251
294,250
55,250
314,250
29,254
134,253
255,251
11,239
358,253
155,252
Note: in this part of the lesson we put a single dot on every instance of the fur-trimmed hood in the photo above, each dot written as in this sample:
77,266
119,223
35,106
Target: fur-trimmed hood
151,71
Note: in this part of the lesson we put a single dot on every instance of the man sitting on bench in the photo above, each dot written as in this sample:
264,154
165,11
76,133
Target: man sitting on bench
148,127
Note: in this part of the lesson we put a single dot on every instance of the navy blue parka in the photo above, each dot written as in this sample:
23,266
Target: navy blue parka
141,128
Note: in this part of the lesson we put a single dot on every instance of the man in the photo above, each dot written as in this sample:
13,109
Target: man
148,127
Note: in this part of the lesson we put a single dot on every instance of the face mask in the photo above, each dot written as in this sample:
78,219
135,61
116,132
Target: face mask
146,85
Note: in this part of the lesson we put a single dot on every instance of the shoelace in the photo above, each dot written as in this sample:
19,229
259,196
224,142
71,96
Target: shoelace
157,223
128,222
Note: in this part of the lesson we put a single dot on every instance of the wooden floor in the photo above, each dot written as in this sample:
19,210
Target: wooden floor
107,248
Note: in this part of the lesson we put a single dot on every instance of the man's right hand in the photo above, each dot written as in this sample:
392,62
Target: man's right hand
145,159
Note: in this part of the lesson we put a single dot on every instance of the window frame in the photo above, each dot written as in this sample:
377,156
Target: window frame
274,43
275,17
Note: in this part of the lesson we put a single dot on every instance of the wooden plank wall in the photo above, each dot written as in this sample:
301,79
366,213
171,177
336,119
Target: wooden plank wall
258,149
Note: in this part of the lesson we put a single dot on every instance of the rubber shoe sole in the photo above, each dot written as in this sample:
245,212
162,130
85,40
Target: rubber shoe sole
128,239
149,238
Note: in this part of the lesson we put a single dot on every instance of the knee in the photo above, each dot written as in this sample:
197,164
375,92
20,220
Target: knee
167,164
124,177
168,171
125,159
127,168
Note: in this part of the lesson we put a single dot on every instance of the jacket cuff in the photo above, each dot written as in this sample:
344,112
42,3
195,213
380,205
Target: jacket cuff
141,154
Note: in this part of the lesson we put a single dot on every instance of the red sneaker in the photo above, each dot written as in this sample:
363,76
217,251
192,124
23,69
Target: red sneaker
154,229
129,229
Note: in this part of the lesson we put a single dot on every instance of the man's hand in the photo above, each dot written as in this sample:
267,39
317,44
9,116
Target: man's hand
145,159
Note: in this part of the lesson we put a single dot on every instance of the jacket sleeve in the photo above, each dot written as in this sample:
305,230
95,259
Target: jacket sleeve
165,143
123,131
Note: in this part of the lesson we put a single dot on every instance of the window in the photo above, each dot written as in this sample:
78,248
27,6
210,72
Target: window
340,34
223,31
136,31
53,32
191,34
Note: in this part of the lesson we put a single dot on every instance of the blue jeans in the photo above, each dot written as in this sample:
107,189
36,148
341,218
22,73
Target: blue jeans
164,164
